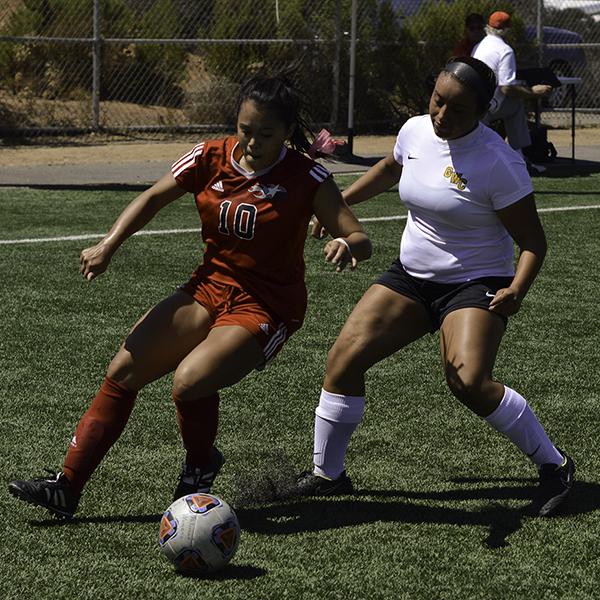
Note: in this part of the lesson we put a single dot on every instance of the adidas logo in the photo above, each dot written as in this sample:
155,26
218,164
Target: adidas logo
264,327
218,186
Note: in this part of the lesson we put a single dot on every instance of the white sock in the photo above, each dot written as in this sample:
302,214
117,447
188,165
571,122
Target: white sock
514,418
336,418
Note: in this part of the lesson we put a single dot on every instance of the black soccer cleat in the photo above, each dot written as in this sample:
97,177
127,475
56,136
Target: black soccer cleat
198,480
555,485
309,484
53,492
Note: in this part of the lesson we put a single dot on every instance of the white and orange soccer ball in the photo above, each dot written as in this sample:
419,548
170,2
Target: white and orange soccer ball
199,534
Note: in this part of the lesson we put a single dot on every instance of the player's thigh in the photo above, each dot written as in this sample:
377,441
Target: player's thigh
160,340
381,323
222,359
469,342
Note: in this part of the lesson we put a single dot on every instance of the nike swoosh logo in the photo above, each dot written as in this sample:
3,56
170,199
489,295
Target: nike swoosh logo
412,157
489,294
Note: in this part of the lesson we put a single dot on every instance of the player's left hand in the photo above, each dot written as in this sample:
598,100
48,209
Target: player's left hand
506,302
541,89
338,253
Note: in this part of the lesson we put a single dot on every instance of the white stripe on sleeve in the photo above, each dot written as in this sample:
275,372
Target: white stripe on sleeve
187,160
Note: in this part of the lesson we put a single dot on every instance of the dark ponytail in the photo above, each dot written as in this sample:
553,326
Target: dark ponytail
279,94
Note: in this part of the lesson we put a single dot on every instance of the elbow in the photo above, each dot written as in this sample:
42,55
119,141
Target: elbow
538,247
366,249
543,249
360,245
542,244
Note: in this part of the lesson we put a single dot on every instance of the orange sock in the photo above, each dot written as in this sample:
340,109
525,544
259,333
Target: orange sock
97,431
198,421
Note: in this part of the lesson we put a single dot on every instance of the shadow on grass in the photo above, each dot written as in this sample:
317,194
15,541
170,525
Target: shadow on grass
500,520
231,572
95,520
370,506
563,168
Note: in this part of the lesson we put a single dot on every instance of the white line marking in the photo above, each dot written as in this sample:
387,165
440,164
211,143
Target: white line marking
95,236
376,219
566,208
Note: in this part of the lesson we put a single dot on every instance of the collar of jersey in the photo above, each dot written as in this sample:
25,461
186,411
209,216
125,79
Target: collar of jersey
254,174
461,142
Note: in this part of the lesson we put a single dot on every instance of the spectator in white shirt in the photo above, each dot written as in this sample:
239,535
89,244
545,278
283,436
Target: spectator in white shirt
507,104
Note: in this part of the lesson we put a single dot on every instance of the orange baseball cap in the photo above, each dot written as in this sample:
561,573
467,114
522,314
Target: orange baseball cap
499,20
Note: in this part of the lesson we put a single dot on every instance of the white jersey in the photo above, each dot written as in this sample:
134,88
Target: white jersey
500,58
452,189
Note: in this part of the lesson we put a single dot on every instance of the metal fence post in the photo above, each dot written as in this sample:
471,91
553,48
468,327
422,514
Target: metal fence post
127,84
540,32
335,96
351,79
96,66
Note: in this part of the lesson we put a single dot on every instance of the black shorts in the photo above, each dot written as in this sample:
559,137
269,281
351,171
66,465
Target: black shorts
439,299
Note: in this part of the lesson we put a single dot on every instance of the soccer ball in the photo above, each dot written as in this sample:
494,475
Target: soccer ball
199,534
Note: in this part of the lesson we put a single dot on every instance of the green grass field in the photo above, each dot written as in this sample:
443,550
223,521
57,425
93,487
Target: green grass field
441,511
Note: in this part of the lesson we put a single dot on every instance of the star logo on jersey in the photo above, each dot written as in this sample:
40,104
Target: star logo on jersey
218,186
266,190
455,178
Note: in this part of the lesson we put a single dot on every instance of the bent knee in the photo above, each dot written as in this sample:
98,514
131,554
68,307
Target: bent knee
469,388
347,357
121,369
190,384
184,386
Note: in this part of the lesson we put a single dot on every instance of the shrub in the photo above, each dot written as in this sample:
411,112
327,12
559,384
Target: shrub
144,74
384,53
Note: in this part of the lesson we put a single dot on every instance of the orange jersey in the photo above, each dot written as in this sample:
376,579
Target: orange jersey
254,225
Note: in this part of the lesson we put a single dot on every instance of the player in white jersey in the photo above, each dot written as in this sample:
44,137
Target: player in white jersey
469,197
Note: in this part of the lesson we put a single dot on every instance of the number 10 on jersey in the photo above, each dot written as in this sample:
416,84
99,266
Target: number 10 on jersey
244,220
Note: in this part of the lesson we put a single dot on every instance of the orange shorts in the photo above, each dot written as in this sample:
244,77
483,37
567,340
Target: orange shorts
229,305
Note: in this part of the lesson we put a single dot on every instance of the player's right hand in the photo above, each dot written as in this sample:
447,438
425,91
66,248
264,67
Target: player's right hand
94,260
338,252
506,301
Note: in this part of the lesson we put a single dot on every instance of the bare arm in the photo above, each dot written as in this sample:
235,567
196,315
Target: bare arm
95,259
523,224
526,92
351,244
379,178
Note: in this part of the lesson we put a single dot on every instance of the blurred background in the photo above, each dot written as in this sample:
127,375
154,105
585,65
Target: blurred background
81,66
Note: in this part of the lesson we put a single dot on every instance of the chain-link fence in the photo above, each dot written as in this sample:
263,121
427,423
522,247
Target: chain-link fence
121,65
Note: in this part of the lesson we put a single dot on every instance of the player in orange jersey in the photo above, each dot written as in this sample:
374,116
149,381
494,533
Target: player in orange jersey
255,193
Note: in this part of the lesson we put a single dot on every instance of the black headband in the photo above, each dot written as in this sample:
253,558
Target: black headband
468,75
